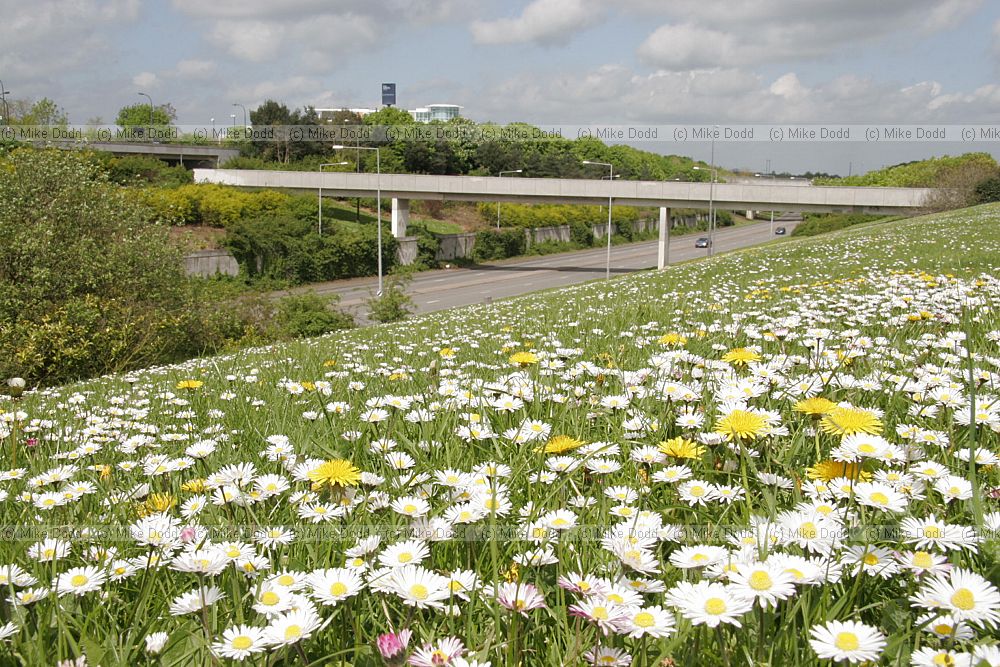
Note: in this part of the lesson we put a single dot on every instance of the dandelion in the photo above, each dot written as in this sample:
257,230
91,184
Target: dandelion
561,443
334,473
740,356
741,425
848,421
681,448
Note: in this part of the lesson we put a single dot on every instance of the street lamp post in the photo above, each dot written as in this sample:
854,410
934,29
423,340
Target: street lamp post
771,176
325,164
150,109
500,175
6,110
378,203
237,104
611,178
711,205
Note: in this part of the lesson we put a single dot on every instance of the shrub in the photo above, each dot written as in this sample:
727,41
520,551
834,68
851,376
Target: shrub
394,304
87,284
988,190
310,314
814,224
499,244
143,170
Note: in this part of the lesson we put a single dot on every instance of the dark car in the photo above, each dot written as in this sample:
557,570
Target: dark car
780,231
703,242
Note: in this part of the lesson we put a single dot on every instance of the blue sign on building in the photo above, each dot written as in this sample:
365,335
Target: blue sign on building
388,94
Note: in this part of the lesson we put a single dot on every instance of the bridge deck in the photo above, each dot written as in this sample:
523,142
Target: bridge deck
727,196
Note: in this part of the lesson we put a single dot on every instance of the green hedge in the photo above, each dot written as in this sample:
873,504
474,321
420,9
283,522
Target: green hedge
814,224
499,244
287,249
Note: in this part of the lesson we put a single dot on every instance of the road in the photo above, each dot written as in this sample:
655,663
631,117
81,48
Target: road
449,288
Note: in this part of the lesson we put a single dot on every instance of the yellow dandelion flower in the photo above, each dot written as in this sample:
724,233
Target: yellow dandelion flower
682,448
194,486
740,356
815,407
446,353
561,443
329,363
160,502
830,469
336,472
741,425
308,386
673,338
847,421
523,358
189,384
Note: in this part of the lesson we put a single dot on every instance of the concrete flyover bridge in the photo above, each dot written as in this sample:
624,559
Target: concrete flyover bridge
401,188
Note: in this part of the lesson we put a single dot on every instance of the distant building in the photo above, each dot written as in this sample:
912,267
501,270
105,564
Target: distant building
442,112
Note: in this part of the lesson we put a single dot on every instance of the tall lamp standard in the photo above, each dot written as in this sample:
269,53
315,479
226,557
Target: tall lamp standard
771,176
150,108
237,104
711,210
325,164
6,110
500,175
611,178
378,203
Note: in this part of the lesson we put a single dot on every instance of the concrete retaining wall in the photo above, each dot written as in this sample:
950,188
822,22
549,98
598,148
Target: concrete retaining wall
406,250
207,263
453,246
562,233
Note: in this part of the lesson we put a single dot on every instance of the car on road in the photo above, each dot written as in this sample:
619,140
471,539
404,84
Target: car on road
780,231
703,242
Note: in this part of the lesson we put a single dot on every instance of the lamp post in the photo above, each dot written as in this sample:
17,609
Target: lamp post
711,206
611,178
6,110
150,108
500,175
237,104
325,164
771,176
378,203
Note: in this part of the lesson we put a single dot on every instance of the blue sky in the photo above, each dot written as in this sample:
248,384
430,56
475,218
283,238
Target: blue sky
541,61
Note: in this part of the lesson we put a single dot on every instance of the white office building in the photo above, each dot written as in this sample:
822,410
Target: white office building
442,112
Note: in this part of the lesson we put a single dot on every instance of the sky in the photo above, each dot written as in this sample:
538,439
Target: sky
545,62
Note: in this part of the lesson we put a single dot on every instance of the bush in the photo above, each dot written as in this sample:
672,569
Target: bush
394,304
303,315
988,190
144,170
284,248
815,224
87,284
499,244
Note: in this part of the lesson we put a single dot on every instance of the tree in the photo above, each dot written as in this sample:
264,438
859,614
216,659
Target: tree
138,115
43,112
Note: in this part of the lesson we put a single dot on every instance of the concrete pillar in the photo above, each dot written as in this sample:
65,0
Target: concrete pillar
749,215
663,254
400,217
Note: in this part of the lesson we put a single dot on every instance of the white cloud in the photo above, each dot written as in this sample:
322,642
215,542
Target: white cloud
195,69
547,22
728,33
145,80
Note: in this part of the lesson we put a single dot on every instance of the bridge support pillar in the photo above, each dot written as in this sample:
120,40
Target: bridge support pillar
750,215
663,253
400,217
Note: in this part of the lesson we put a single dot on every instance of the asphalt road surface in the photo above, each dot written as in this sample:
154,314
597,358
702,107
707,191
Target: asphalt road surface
449,288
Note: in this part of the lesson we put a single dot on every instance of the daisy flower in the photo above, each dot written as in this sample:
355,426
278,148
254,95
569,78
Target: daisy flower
240,642
847,641
708,603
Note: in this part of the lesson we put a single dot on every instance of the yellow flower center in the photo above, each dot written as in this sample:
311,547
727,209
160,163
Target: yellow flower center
405,557
617,599
922,559
418,591
79,580
286,580
847,641
293,632
242,643
879,498
600,613
932,532
760,581
338,588
270,598
715,606
808,530
409,509
870,559
964,599
644,620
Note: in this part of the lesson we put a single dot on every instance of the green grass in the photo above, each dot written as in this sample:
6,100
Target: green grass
348,213
619,363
